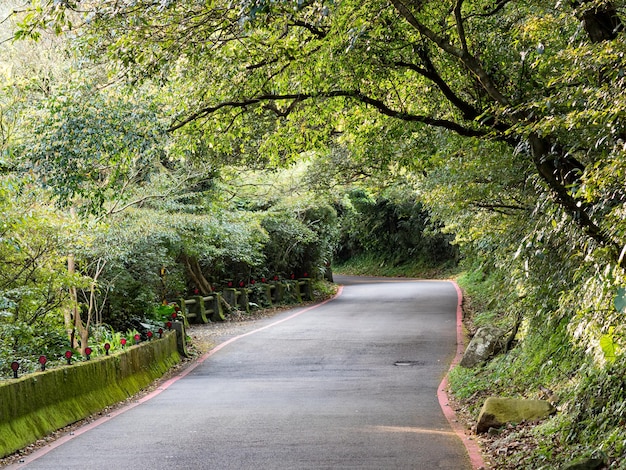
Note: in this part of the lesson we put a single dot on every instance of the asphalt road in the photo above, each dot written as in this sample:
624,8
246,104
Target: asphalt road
350,384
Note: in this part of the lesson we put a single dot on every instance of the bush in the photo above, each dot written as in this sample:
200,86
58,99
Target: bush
300,240
396,230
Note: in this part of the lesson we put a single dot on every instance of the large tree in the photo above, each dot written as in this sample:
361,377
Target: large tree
265,79
282,77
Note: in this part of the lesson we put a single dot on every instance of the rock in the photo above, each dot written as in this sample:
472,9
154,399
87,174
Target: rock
486,342
499,411
585,464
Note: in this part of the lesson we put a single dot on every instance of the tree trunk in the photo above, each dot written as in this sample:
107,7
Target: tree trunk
83,332
70,314
73,320
195,275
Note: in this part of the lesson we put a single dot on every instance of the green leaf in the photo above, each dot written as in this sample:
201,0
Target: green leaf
620,300
608,346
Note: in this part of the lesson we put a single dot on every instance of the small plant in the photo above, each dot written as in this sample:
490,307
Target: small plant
106,335
164,312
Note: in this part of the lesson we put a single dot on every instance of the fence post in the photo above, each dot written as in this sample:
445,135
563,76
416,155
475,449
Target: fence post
267,291
216,301
181,338
306,288
184,310
279,292
230,296
200,310
242,300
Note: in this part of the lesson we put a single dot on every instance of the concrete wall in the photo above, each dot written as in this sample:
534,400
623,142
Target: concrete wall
37,404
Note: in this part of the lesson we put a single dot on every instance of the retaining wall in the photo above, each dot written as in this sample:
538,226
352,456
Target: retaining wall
35,405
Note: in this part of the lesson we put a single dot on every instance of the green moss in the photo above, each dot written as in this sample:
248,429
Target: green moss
36,405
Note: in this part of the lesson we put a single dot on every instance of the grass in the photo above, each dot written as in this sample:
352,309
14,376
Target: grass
365,265
590,397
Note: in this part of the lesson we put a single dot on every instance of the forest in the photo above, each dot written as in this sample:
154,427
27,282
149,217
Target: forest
151,148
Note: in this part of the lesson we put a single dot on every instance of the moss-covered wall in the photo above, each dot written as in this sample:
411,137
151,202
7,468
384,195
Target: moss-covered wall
35,405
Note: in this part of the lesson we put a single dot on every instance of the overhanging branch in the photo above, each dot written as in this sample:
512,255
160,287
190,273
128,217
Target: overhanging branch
506,209
314,30
468,60
379,105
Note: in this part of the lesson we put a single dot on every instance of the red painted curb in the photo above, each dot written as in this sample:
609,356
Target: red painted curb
473,450
165,385
472,447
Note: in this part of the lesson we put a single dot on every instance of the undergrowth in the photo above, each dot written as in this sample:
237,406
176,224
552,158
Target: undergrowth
367,265
545,363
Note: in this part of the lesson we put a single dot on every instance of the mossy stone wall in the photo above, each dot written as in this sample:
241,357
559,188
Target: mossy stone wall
37,404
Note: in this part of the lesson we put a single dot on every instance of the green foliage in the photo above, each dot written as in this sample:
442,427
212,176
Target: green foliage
620,300
163,312
87,145
556,349
506,117
139,244
33,278
300,240
487,296
148,251
32,240
608,346
395,230
25,343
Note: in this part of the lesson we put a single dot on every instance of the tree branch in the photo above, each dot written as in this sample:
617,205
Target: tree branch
380,106
318,33
172,190
460,28
429,72
501,208
556,181
500,4
472,64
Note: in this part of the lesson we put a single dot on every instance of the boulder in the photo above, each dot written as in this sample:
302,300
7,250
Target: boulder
486,342
497,412
585,464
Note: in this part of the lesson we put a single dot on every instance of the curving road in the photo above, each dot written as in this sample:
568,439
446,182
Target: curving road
349,384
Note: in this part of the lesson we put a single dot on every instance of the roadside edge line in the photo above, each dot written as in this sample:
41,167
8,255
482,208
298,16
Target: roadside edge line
472,447
164,386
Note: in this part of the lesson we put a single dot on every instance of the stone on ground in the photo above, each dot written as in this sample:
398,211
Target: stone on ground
585,464
497,412
486,342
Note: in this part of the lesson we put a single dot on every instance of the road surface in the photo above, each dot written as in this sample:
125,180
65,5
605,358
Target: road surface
350,384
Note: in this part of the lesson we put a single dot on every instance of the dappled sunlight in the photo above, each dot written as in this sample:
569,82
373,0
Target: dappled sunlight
409,429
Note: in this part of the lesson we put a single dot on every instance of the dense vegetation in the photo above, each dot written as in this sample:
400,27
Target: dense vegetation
238,139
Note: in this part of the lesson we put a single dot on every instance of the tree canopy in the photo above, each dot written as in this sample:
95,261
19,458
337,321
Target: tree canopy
502,120
269,80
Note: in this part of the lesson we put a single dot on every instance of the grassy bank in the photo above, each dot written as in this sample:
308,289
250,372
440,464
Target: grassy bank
365,265
545,363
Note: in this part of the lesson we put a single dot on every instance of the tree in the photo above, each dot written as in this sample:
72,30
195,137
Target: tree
89,146
393,227
524,99
295,75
